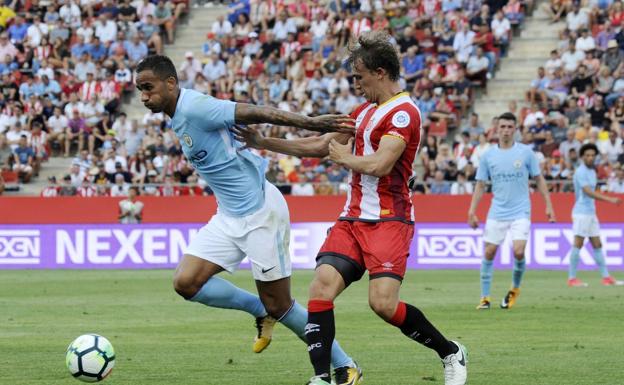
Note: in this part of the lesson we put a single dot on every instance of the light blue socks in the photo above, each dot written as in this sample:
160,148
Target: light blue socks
600,261
598,257
574,260
518,272
218,292
487,269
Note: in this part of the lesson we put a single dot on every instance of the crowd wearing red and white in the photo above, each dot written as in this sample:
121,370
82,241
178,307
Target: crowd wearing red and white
65,67
290,55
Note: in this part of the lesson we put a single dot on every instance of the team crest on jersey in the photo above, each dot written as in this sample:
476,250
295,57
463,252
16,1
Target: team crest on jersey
517,163
188,140
400,119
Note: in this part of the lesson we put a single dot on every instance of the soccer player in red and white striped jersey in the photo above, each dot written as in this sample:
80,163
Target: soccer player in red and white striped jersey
376,227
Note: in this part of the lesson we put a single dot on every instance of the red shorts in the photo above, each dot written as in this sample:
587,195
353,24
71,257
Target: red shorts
381,248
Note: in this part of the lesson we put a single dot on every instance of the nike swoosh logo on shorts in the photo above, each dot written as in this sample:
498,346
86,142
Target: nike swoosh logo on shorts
264,271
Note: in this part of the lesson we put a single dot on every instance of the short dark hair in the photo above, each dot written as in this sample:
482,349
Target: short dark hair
375,50
160,65
507,116
136,189
587,147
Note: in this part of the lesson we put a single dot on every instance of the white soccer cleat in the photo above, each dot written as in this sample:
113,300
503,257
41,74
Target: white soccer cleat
316,380
455,371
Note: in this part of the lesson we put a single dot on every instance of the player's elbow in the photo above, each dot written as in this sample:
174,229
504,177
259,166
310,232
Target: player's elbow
380,173
381,169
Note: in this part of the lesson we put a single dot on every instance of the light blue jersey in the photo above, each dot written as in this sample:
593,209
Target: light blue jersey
509,170
584,176
202,123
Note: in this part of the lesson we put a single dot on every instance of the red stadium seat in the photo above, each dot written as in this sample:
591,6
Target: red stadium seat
11,180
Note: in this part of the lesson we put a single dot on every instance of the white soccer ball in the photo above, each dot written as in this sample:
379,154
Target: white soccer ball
90,358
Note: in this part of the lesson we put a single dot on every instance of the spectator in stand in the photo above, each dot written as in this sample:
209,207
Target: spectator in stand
23,160
612,148
52,189
537,92
86,189
163,17
557,86
221,27
550,147
67,189
120,187
136,49
439,185
501,29
150,34
463,43
76,174
38,143
571,59
477,68
538,130
304,187
571,143
461,186
131,209
190,67
616,183
577,19
613,57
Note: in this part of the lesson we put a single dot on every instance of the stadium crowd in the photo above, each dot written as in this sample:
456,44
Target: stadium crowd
577,96
280,53
65,67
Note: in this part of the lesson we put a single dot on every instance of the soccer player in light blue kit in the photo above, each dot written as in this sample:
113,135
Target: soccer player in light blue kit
509,166
584,220
252,219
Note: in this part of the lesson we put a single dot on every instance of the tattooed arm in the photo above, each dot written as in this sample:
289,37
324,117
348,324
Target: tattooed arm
252,114
313,146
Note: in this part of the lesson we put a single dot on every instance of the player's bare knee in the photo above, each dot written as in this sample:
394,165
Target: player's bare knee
320,290
490,252
595,242
519,253
277,309
383,307
185,286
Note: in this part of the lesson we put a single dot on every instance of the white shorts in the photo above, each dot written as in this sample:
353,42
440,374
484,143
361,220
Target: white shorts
22,168
263,237
495,231
585,225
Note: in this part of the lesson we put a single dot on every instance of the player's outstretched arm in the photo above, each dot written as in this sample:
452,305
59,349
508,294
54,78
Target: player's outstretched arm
542,187
473,220
252,114
311,147
379,163
600,196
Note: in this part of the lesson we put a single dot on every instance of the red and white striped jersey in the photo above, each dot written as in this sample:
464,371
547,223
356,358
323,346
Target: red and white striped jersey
89,90
86,191
387,198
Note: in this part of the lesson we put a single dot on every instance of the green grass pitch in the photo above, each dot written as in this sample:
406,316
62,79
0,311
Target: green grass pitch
554,335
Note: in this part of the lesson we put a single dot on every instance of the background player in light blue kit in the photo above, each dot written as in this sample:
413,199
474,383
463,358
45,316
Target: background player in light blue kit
252,219
509,166
584,220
